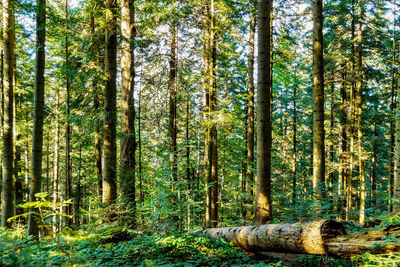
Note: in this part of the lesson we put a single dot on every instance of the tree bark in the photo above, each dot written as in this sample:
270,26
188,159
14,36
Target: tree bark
38,112
306,238
172,130
128,140
110,116
318,104
8,154
363,192
211,146
250,114
264,127
68,163
323,237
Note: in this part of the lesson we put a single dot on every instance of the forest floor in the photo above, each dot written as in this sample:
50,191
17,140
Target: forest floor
113,245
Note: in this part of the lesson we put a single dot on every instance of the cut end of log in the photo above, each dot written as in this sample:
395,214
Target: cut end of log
331,229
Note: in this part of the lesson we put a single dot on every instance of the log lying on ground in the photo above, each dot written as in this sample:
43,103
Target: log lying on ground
308,238
323,237
372,242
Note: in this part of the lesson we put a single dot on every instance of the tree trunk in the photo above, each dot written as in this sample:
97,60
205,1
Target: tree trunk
318,104
211,147
264,127
306,238
343,141
250,114
9,46
351,120
110,116
363,192
56,164
68,164
294,163
172,131
393,109
38,112
128,140
323,237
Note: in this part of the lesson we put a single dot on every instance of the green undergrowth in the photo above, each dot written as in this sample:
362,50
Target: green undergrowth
114,245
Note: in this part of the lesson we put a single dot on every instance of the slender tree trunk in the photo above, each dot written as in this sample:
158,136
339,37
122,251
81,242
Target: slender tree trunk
38,112
110,116
128,140
351,120
78,189
264,127
68,163
189,194
211,135
374,165
250,114
392,121
363,192
8,193
318,104
56,164
172,104
141,193
294,164
343,141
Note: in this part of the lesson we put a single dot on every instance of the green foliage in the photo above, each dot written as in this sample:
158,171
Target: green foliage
141,249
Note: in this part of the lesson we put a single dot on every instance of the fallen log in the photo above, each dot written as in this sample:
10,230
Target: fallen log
324,237
307,238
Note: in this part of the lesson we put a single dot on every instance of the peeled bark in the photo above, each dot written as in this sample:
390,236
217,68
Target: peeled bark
323,237
306,238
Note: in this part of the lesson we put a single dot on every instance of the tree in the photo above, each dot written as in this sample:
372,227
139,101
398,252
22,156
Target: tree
318,103
128,140
250,116
37,144
8,154
110,111
264,127
211,145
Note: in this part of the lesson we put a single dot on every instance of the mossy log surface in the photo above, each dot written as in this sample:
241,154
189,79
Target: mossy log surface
325,237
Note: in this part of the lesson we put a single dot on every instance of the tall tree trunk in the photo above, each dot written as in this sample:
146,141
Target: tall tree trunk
68,163
9,47
56,164
141,193
392,121
2,101
343,141
172,103
128,140
363,192
38,112
318,104
96,104
250,114
110,116
351,120
211,135
294,164
189,194
264,127
78,189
